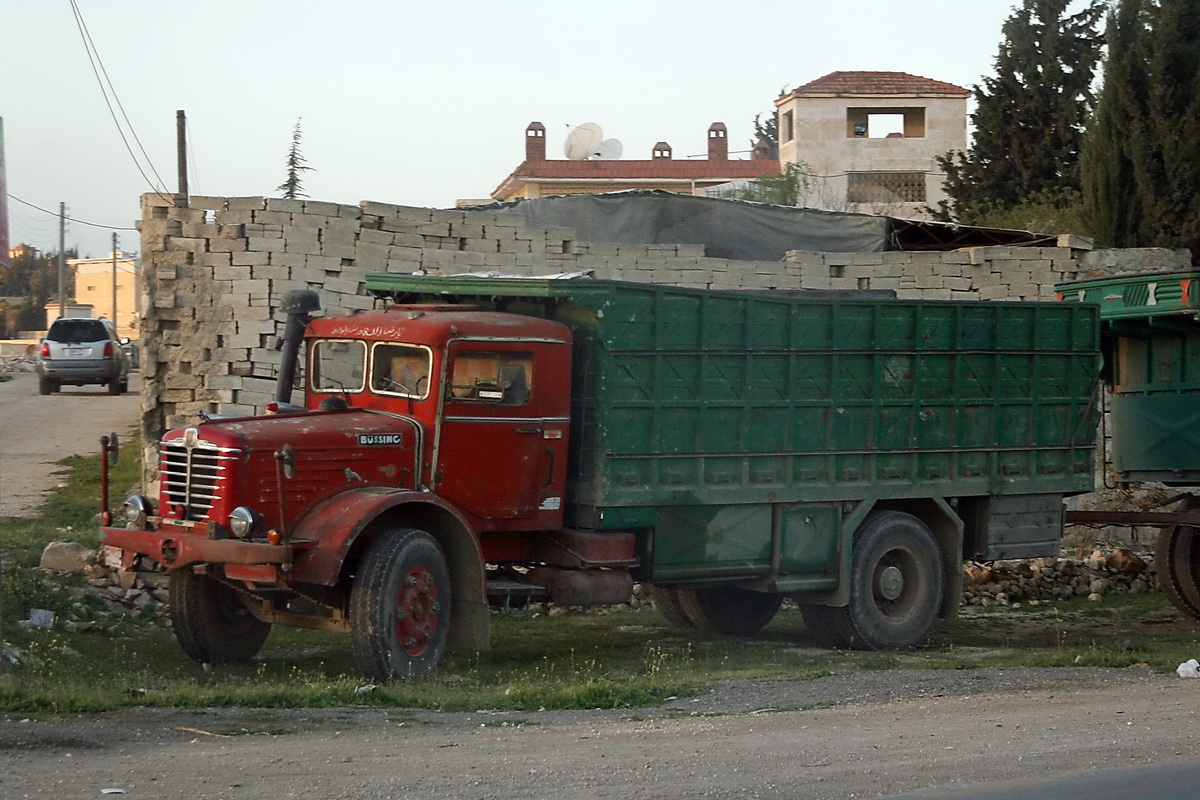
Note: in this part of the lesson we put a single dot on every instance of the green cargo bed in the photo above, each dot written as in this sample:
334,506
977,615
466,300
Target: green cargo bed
689,397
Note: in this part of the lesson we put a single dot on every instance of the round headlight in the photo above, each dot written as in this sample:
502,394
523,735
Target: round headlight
137,509
242,521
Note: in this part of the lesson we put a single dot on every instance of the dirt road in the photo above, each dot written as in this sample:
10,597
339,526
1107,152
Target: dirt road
38,431
842,736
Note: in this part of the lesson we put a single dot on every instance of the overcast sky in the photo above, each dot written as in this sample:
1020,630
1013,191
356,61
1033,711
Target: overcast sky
413,103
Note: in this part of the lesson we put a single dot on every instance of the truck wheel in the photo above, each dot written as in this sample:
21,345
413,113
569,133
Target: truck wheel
896,583
1176,561
728,609
211,622
400,606
667,603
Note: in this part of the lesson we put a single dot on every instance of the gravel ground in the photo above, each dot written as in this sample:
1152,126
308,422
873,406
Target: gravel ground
841,736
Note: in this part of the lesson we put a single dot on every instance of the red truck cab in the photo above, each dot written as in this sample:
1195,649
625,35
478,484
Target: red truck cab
431,444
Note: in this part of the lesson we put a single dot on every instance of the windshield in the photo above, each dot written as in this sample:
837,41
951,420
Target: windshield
77,330
338,365
401,369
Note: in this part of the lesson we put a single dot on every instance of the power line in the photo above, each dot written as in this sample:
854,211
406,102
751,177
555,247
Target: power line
94,58
71,219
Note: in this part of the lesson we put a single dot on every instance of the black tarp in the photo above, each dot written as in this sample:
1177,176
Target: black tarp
727,228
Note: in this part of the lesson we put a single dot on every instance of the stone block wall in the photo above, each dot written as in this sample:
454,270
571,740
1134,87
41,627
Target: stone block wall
215,269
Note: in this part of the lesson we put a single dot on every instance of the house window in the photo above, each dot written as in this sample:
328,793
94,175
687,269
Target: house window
786,127
885,123
885,187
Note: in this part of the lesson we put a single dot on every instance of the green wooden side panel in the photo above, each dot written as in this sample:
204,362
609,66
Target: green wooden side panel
692,398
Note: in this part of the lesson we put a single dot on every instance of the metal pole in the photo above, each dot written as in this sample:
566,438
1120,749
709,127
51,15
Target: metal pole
62,260
181,151
114,304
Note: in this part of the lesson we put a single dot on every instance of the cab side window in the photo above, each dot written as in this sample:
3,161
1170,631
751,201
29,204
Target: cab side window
498,378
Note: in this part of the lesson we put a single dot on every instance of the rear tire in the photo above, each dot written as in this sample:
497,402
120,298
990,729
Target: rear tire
45,385
114,386
1177,564
729,610
211,622
666,602
896,585
400,606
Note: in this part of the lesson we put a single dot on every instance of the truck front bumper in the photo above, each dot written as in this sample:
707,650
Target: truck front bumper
178,546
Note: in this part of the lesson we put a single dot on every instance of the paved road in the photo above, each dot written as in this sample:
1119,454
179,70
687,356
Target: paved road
36,432
1115,734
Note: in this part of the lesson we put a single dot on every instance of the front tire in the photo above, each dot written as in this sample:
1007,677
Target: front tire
211,622
400,606
729,609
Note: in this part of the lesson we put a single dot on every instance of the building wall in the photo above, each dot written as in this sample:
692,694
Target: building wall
823,139
94,287
215,271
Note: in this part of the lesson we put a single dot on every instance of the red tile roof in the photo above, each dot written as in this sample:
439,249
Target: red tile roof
650,169
877,83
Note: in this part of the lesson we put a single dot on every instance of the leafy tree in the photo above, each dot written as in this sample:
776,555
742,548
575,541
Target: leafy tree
293,188
1030,116
1142,167
789,188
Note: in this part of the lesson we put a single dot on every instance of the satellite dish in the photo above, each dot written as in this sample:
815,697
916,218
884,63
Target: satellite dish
609,150
583,141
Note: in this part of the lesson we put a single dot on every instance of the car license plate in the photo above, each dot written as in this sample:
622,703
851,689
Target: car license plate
75,351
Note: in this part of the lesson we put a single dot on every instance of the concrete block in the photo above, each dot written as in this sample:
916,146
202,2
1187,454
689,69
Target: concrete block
245,203
319,207
251,258
285,205
235,217
338,251
206,202
232,245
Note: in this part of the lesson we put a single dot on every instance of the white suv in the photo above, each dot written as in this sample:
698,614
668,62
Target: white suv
82,350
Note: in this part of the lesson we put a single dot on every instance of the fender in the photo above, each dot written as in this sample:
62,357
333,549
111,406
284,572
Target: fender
336,524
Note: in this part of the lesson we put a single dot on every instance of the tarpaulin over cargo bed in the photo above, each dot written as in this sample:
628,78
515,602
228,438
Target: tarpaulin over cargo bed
727,228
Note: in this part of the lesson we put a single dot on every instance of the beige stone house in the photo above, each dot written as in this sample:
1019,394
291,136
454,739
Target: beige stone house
869,139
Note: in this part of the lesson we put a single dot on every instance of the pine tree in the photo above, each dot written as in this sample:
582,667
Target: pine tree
1030,116
292,188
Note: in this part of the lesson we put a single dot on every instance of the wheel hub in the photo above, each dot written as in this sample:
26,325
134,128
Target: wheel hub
417,611
891,583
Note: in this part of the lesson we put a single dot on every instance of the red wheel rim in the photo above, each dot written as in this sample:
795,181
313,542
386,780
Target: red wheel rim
417,611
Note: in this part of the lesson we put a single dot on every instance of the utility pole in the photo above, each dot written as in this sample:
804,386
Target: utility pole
114,258
181,152
62,260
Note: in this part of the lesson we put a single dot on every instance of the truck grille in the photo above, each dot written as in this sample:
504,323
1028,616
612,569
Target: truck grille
195,477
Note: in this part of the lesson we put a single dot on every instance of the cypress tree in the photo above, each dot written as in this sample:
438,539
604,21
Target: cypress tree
1111,199
1142,167
1030,116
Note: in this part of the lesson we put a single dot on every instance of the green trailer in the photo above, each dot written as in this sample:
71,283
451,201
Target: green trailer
1150,335
844,449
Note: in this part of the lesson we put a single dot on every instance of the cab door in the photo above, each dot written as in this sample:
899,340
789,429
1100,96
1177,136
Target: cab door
502,445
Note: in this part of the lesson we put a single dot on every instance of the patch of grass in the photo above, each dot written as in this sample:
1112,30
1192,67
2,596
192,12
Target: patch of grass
619,659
